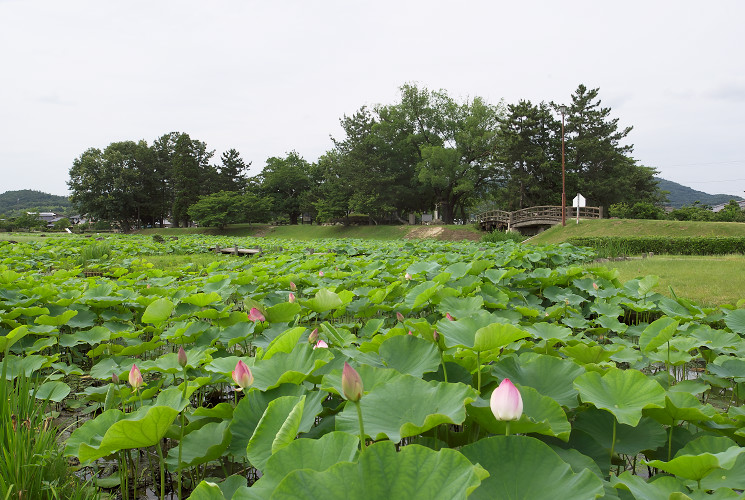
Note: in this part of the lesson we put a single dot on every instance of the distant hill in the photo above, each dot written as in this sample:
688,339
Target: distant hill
683,195
28,200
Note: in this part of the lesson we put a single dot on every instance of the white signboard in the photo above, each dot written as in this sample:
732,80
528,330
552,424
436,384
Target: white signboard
579,201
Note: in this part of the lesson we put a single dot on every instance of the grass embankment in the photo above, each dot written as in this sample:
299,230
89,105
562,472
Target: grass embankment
311,232
633,227
708,281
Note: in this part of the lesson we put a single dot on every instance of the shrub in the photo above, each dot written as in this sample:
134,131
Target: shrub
614,246
496,236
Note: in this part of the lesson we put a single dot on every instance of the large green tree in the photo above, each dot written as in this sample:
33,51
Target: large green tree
598,160
192,176
530,156
287,182
458,144
229,207
232,171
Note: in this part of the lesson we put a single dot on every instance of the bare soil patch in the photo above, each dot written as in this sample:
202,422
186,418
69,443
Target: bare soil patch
441,233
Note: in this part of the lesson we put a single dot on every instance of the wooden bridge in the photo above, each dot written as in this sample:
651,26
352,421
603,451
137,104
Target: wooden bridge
533,217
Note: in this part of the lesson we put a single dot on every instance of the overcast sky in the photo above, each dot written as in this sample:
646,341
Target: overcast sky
266,77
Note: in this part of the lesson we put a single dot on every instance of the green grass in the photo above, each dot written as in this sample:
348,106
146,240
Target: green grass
633,227
708,281
174,262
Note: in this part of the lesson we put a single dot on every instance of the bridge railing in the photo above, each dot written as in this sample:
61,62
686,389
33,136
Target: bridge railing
538,214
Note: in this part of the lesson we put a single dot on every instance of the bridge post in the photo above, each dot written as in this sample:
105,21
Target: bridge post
509,221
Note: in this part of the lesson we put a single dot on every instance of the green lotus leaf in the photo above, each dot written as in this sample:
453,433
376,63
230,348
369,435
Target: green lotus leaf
679,407
522,467
735,321
94,336
277,428
407,406
200,446
158,311
371,378
646,435
313,454
550,376
728,367
284,342
251,409
207,490
422,266
118,431
12,337
658,487
734,477
462,332
409,354
587,354
53,391
202,299
549,331
696,467
624,393
657,333
283,312
28,365
84,319
293,367
324,300
461,307
421,294
414,473
62,319
541,415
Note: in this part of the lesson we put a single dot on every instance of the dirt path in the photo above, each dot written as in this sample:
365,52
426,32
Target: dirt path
441,233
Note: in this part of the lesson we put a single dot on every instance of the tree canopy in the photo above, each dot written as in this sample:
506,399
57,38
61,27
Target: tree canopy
426,151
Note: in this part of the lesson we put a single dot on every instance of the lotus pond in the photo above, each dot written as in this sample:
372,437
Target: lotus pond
627,394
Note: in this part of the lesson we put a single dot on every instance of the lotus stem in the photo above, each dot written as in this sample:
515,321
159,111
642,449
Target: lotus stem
670,442
362,426
162,472
507,428
613,441
478,370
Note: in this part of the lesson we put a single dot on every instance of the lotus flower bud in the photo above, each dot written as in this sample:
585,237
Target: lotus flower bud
242,375
313,337
135,378
449,316
182,357
400,317
291,298
320,274
255,315
506,402
435,336
293,286
321,344
351,383
115,378
595,286
407,276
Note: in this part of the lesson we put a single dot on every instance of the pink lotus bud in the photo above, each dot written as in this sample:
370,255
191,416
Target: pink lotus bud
506,402
351,383
242,375
400,317
595,286
135,378
407,276
182,357
449,316
320,273
321,344
435,336
115,378
410,333
255,315
291,297
293,287
313,337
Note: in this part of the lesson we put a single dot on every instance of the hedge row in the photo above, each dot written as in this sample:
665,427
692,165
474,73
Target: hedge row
611,246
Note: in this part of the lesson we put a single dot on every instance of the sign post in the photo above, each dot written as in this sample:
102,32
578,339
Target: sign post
579,201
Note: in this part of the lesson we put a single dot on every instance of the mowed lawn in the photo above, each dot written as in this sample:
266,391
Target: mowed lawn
708,281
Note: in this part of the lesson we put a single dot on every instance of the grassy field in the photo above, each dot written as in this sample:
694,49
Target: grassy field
709,281
630,227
